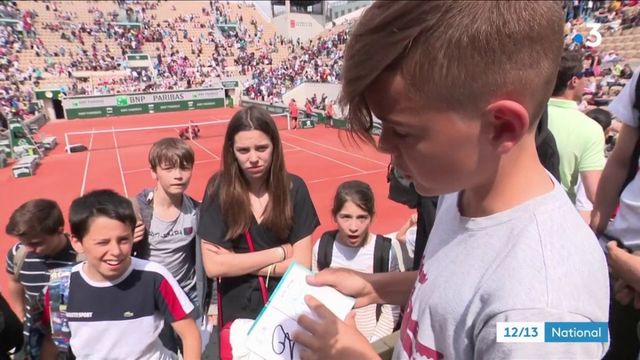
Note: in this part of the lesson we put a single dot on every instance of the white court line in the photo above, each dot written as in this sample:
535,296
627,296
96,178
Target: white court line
216,157
346,176
325,157
337,149
86,164
202,147
124,184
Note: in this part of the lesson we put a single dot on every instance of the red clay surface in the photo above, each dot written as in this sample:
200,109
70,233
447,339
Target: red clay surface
322,157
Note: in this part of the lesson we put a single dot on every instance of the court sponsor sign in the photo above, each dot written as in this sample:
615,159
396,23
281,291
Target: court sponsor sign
83,107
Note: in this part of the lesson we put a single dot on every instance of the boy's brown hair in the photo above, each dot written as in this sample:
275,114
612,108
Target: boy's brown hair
38,217
456,55
171,152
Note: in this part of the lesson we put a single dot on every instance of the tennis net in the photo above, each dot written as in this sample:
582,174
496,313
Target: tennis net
104,139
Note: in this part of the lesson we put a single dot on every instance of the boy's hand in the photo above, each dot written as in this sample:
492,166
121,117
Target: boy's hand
138,232
623,293
189,333
348,282
329,337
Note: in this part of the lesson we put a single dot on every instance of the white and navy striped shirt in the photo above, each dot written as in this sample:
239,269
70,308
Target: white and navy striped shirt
34,274
121,319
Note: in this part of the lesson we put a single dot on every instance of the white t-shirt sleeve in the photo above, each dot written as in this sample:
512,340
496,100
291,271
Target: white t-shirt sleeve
622,106
411,239
314,256
172,301
582,202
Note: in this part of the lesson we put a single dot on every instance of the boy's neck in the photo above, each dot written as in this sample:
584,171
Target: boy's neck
61,243
567,95
164,200
519,178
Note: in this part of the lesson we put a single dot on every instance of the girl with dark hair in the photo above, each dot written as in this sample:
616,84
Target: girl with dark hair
353,246
256,218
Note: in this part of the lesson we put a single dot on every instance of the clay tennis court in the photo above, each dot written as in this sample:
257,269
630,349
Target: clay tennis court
117,160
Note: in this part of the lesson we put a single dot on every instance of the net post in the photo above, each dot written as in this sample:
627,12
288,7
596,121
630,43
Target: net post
66,143
288,121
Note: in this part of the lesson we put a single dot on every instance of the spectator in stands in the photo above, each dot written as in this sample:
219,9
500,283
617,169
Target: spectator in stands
579,139
256,218
626,72
610,59
495,183
354,246
39,227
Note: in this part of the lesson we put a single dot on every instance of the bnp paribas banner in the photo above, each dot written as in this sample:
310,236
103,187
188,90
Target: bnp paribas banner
83,107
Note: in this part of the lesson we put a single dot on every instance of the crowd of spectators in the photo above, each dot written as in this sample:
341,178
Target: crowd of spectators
15,97
612,16
606,71
315,61
225,45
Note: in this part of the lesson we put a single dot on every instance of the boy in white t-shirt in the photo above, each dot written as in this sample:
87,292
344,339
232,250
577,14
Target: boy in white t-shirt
507,244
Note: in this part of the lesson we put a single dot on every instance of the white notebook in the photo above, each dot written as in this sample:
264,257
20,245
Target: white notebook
271,336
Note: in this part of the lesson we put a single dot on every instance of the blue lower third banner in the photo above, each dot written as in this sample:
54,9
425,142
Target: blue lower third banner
552,332
573,332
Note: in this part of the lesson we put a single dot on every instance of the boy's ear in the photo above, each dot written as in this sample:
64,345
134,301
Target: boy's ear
509,122
77,244
154,175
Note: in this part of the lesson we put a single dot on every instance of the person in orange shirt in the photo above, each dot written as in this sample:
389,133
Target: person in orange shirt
293,112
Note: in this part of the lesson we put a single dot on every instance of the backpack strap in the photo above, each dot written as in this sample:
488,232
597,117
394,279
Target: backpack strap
325,249
58,301
381,255
18,261
143,207
146,212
